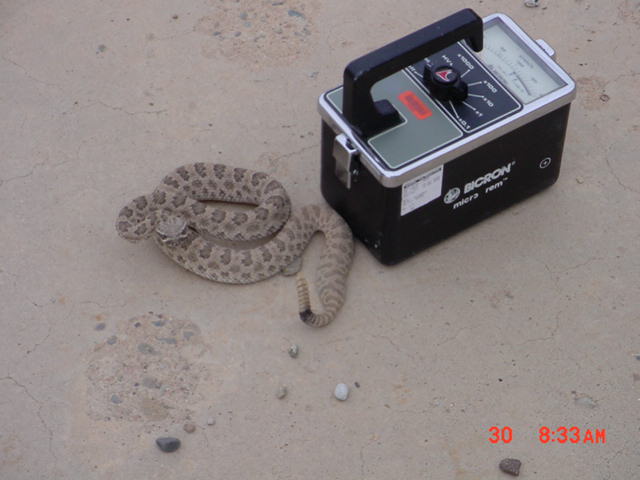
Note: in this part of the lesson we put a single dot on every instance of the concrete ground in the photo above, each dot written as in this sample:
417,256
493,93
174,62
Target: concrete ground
529,319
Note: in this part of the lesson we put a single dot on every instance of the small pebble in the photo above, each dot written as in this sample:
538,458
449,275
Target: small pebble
604,97
282,392
341,392
580,180
211,421
146,348
116,399
111,340
532,3
585,401
511,466
100,326
357,384
189,427
294,350
295,13
168,444
151,382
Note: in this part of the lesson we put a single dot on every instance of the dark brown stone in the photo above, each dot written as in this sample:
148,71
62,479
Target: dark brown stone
511,466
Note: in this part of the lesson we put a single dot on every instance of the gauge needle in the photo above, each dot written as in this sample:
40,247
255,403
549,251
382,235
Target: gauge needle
524,85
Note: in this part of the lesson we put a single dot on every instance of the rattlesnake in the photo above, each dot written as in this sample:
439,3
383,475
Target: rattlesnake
208,240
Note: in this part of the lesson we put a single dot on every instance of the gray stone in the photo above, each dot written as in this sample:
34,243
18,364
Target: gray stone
100,326
294,350
511,466
168,444
116,399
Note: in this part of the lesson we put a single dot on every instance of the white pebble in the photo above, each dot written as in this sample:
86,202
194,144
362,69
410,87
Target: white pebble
341,392
531,3
211,421
282,392
293,351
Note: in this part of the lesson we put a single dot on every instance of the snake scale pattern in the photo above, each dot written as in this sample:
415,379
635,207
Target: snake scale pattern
218,244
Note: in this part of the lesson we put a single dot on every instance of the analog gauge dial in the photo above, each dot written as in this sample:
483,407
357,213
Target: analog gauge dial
518,69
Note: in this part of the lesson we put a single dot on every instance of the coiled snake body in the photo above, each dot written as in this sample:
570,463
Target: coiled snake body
196,234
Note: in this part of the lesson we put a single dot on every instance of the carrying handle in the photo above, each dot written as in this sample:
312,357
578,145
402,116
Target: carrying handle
368,117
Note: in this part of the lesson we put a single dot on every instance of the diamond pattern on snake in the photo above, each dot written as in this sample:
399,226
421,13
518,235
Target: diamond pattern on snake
218,244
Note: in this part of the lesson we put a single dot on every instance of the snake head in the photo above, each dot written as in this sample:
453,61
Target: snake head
171,227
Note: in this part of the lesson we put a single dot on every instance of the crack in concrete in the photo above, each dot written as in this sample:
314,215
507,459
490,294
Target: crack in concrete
50,327
404,351
542,339
384,337
103,307
38,413
580,265
452,338
176,35
124,110
297,152
41,164
114,108
44,339
553,273
18,177
620,182
27,74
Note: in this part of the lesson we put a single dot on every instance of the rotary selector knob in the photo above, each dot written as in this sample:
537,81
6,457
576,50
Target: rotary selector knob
445,84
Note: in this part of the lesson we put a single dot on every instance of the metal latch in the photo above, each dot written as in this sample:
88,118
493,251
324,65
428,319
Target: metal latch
547,48
345,155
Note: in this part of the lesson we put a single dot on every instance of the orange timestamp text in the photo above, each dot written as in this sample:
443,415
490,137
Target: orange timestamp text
546,435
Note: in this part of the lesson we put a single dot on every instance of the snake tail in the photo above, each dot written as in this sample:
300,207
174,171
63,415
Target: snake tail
304,306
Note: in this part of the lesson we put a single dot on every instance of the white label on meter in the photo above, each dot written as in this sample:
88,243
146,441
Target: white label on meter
421,190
